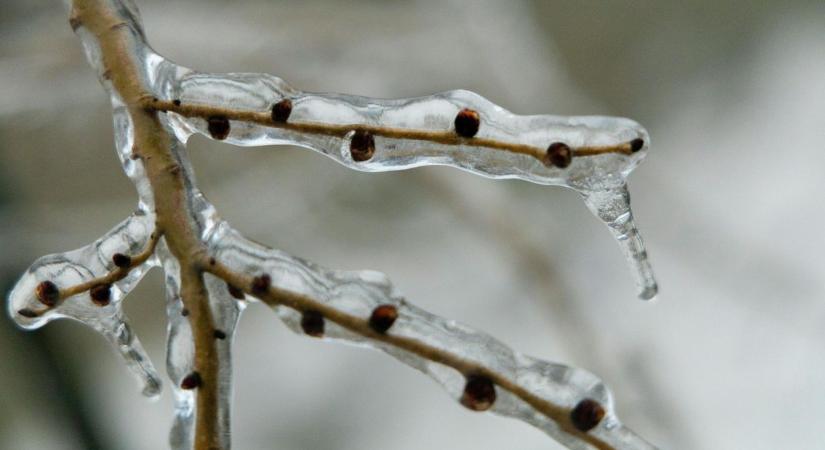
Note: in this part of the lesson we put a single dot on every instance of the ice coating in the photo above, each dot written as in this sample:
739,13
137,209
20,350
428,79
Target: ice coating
613,207
84,264
180,354
358,293
407,133
416,132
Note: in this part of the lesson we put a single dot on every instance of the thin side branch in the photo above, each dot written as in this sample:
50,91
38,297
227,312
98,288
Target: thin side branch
446,137
273,295
52,296
118,272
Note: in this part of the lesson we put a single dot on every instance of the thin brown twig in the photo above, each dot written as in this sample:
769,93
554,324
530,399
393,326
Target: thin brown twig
118,273
445,137
360,325
113,276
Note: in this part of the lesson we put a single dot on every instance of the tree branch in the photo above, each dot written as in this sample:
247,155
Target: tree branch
593,155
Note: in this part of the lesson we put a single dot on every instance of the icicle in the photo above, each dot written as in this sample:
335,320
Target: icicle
64,270
613,207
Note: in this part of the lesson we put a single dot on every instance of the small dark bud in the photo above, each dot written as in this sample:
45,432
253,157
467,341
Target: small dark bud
212,261
382,318
219,334
27,312
218,127
558,155
636,144
101,294
184,312
479,393
312,322
235,292
362,146
281,111
121,260
191,381
176,102
260,284
48,293
467,122
587,414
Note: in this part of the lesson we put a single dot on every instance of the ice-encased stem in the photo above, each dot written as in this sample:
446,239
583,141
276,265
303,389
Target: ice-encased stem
537,392
409,133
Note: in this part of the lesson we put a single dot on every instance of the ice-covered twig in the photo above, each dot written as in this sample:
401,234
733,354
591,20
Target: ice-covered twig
569,404
99,288
60,281
593,155
590,154
464,131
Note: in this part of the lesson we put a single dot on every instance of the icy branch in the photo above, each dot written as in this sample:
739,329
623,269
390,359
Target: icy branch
210,268
590,154
571,405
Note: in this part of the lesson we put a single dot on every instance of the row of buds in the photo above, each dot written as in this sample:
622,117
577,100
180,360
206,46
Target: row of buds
48,293
362,143
479,390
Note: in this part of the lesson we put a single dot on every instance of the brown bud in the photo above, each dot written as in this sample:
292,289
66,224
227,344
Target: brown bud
382,318
362,146
559,155
235,292
212,261
28,312
191,381
467,122
121,260
184,312
636,144
176,102
48,293
479,393
101,294
312,322
260,284
281,111
219,334
587,414
218,127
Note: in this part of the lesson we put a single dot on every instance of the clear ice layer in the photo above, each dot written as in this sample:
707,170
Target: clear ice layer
358,293
81,265
600,179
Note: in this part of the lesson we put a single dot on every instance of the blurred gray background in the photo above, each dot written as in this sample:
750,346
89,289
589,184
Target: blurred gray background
733,93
